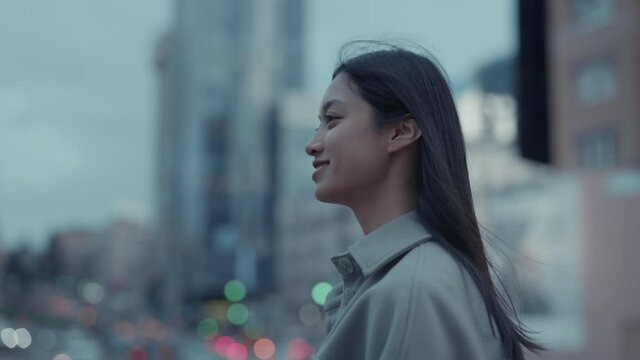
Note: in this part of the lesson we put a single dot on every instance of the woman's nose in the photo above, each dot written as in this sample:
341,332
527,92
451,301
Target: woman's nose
314,146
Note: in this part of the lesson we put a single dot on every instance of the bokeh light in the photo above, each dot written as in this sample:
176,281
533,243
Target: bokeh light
320,291
237,351
24,338
299,349
154,329
235,291
92,292
264,348
9,338
124,329
221,345
87,316
16,337
309,314
61,357
207,328
238,314
137,353
61,305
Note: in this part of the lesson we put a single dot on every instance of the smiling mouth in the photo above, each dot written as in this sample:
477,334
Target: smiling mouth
319,164
317,171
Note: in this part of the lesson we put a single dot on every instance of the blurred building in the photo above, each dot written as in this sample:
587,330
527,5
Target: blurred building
594,82
308,232
118,258
579,83
124,261
20,273
75,252
487,109
579,109
515,202
221,67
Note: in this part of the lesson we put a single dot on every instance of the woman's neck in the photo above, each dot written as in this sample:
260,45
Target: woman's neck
371,218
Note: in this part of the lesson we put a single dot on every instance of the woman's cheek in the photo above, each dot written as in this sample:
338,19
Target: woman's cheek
331,144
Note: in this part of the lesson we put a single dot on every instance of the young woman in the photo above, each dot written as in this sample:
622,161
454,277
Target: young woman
417,285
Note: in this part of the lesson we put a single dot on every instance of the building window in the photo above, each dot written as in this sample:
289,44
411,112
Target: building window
590,14
596,82
598,149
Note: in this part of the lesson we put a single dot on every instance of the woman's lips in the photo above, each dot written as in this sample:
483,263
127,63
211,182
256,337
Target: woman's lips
315,173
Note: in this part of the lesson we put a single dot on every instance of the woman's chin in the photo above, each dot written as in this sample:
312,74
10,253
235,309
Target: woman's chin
320,195
323,195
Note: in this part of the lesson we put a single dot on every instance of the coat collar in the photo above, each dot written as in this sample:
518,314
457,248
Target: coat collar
384,244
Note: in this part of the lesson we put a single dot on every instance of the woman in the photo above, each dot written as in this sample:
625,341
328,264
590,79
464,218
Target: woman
417,285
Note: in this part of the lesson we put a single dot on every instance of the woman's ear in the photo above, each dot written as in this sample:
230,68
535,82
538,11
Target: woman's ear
402,134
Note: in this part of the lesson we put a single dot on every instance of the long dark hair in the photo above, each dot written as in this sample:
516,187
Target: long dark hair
397,81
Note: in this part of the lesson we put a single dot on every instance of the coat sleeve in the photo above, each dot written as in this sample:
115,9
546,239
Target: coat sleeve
403,329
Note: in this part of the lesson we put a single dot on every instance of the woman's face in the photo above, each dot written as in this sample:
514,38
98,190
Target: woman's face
348,141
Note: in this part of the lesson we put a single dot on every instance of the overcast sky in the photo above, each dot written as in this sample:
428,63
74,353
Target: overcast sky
77,93
461,34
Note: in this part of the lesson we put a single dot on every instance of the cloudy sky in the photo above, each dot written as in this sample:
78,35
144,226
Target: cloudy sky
461,34
78,100
76,112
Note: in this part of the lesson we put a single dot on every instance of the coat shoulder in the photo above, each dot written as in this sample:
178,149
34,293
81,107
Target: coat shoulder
427,267
429,280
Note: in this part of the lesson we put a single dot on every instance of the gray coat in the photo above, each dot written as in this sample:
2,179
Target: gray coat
403,296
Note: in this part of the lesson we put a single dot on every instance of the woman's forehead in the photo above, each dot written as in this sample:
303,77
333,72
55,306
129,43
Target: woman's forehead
340,92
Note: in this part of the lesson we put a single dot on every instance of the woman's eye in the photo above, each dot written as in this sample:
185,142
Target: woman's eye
330,118
327,119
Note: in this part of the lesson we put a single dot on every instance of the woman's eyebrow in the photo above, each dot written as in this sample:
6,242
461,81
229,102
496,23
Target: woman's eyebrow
326,107
329,103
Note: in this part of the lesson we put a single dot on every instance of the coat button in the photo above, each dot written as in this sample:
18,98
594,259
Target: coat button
345,265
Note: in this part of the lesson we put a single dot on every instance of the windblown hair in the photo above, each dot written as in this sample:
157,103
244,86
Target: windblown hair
396,82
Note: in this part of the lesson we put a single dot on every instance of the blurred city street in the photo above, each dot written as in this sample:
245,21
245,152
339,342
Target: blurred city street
156,200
